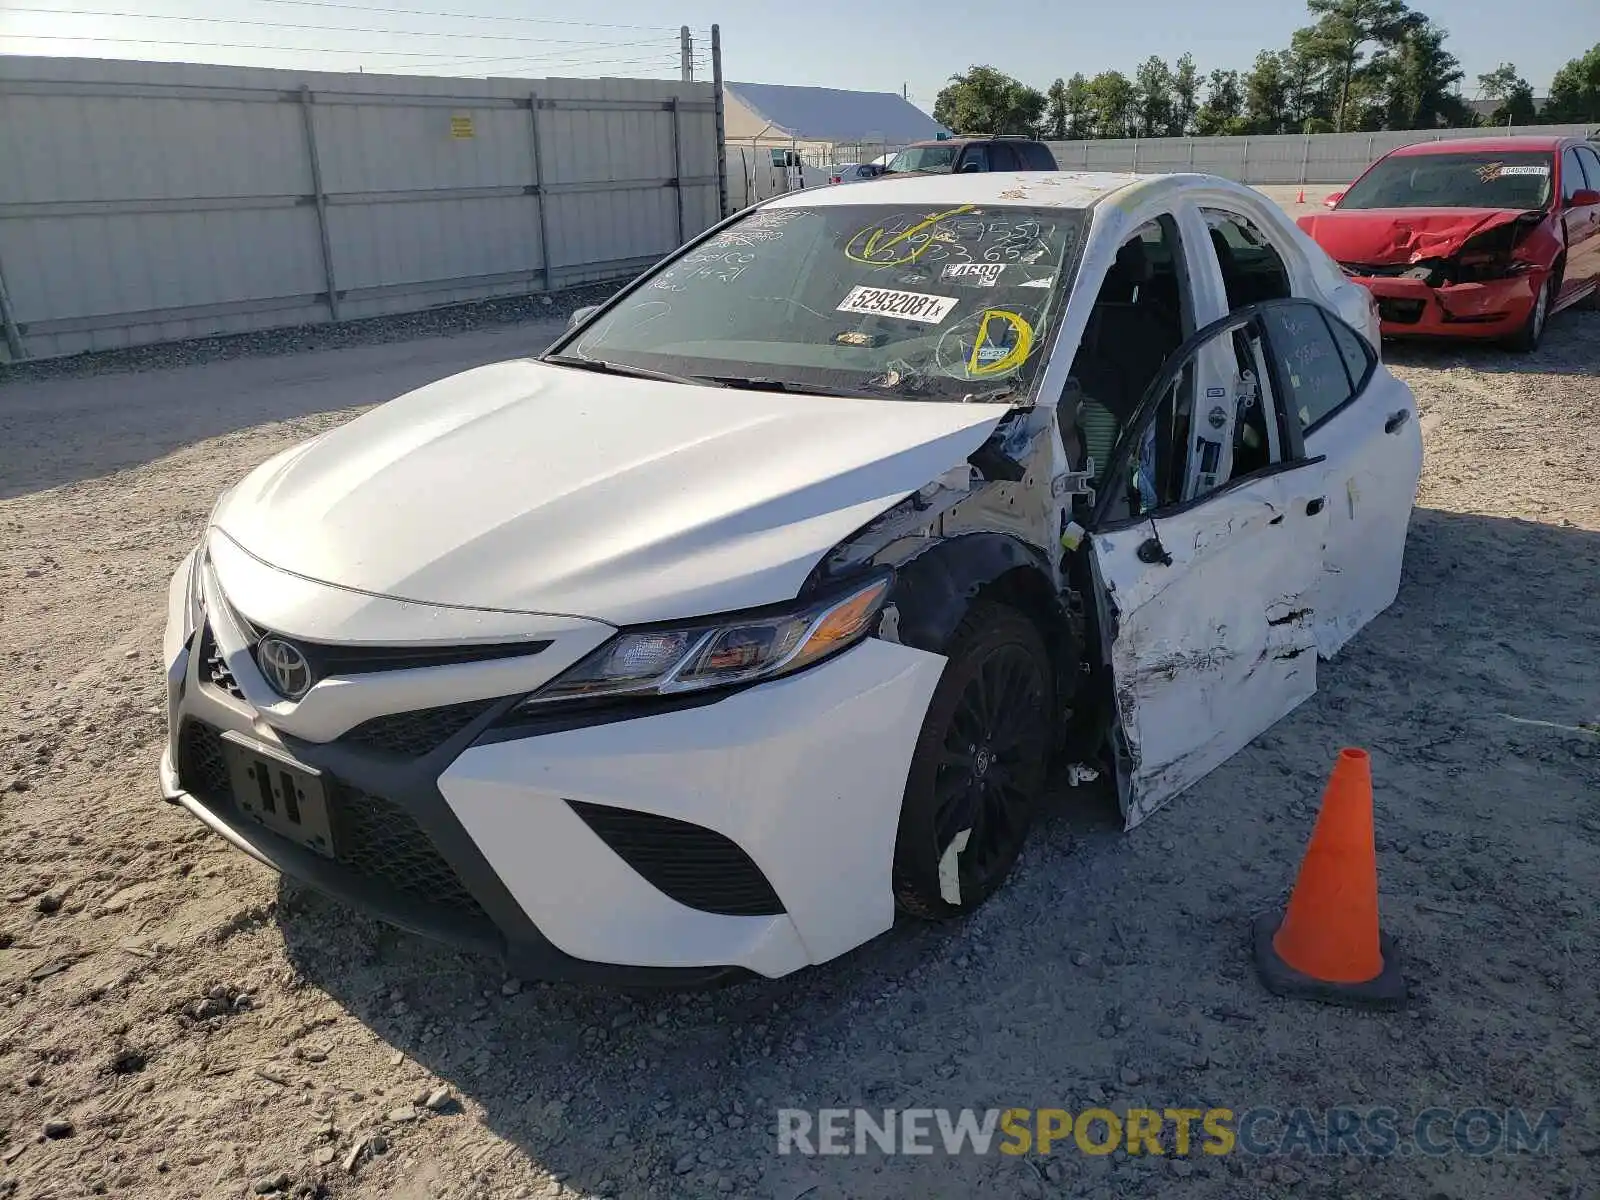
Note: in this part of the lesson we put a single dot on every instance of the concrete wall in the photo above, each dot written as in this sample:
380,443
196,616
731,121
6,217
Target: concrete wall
144,202
1276,158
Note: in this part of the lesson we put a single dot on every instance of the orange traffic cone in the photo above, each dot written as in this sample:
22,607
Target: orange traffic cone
1328,946
1301,198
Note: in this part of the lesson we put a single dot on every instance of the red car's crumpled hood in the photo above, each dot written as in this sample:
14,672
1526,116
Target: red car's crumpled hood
1383,236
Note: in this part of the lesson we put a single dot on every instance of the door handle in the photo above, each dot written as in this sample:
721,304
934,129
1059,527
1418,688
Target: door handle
1313,507
1397,420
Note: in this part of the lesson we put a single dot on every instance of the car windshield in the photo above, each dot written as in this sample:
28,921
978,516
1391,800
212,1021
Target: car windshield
1510,180
894,301
924,158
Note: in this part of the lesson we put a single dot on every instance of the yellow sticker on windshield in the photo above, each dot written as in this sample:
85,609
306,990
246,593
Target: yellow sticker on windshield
995,357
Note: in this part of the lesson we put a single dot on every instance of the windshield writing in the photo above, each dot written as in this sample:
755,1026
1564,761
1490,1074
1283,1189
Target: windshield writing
879,300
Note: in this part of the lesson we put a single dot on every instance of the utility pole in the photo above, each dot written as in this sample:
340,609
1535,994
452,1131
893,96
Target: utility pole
721,120
905,91
686,53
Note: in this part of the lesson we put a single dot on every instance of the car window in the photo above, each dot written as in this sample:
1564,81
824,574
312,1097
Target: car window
978,155
1311,365
1037,158
941,159
1252,269
1572,178
1591,166
881,300
1516,179
1003,158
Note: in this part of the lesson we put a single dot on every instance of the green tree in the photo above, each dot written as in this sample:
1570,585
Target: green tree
1266,94
1575,91
1185,96
1112,103
1078,107
1343,35
1421,79
1224,104
1055,119
1512,94
1153,97
986,100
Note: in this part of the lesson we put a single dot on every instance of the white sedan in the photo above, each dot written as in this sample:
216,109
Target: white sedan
761,604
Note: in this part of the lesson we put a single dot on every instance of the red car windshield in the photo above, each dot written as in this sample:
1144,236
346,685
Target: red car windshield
1518,179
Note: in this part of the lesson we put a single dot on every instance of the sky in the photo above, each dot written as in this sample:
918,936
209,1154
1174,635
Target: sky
881,45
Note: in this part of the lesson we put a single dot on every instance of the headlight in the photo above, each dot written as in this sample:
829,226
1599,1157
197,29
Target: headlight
689,658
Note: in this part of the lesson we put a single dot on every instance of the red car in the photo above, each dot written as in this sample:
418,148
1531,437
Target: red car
1480,238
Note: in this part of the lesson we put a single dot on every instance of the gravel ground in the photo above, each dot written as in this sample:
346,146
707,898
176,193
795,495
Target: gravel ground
176,1021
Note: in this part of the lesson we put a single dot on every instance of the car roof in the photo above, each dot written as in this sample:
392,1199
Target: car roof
1487,145
1036,189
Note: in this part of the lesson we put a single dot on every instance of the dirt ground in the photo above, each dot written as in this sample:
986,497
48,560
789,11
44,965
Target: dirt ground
193,1027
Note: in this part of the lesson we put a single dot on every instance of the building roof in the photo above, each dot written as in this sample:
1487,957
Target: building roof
1039,189
813,114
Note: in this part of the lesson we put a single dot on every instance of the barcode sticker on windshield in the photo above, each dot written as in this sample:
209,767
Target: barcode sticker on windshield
1535,169
908,306
973,273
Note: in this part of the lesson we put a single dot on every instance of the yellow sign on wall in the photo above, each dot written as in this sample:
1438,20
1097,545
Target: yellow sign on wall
461,126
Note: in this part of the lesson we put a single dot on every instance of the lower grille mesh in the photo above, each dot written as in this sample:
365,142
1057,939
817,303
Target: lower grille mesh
373,838
696,866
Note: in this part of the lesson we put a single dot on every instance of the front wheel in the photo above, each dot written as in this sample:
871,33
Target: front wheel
979,767
1531,334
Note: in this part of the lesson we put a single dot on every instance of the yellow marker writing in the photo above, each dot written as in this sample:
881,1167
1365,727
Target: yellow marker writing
1017,355
873,247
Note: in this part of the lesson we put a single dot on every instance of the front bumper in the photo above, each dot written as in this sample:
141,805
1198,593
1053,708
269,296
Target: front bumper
1494,309
617,846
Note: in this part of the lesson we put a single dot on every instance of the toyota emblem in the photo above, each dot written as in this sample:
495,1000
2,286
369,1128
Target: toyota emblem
285,667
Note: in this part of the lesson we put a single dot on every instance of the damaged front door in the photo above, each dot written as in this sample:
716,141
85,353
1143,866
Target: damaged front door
1206,591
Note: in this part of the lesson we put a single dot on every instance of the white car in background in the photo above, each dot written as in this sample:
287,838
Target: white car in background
854,173
761,603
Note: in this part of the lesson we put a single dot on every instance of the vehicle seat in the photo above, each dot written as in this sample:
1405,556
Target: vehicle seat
1126,342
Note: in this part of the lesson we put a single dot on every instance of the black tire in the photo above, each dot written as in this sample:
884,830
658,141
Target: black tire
1527,339
980,764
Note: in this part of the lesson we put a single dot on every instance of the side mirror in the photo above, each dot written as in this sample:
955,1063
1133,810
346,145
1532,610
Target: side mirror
582,315
1584,198
1333,199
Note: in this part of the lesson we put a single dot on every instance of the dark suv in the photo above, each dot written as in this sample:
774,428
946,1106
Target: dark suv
956,155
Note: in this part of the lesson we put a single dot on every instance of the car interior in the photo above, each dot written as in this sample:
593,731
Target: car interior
1139,318
1252,270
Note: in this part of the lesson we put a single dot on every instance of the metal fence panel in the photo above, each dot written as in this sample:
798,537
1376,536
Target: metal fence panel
1273,158
144,202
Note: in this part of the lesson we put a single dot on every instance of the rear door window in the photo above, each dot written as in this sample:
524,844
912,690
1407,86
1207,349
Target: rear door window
1316,371
1003,158
1037,158
1591,166
978,155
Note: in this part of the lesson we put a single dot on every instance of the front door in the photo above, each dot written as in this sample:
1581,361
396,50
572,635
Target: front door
1207,549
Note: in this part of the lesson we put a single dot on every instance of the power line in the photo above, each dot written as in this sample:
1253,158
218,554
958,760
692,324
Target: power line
460,16
52,37
487,37
544,65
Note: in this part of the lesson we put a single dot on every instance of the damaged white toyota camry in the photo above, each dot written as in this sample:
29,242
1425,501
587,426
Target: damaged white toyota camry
761,603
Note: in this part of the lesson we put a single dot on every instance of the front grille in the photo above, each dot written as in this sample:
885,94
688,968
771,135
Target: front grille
695,866
413,734
214,668
1400,312
373,838
201,768
378,840
1379,270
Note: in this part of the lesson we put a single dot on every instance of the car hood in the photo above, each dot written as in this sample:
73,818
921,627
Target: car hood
1387,236
532,488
